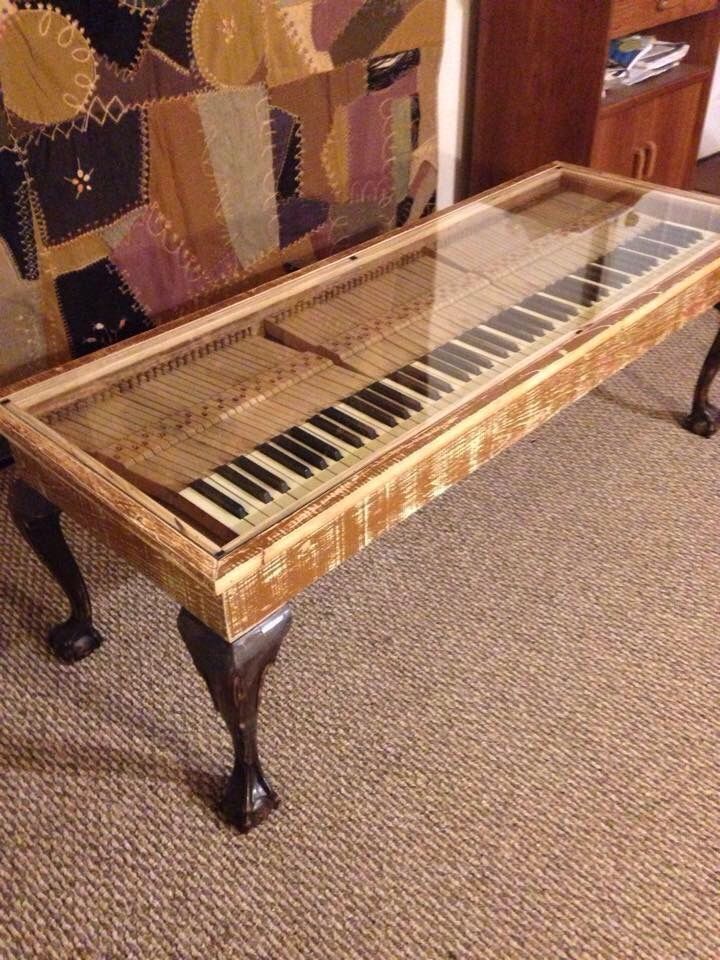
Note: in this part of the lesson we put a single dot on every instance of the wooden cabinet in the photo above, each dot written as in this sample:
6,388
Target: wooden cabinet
653,138
539,68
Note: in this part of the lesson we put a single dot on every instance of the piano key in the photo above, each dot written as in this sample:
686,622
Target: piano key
412,383
473,339
549,307
671,233
649,259
243,483
352,423
389,406
410,403
301,469
510,326
504,343
350,452
457,349
435,361
299,451
643,244
417,373
297,484
208,508
210,493
610,278
256,509
627,261
370,411
335,430
267,477
310,440
470,368
583,293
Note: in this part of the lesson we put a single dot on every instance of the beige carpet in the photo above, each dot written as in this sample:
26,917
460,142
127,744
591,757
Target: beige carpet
495,731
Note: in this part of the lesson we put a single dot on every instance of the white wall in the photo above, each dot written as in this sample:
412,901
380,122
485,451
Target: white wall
451,98
710,142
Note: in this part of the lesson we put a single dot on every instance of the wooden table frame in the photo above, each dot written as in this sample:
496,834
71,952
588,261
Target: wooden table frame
235,611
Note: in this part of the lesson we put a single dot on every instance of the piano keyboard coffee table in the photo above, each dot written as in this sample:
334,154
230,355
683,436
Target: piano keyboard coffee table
242,453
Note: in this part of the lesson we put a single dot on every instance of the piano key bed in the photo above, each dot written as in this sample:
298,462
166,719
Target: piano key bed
238,432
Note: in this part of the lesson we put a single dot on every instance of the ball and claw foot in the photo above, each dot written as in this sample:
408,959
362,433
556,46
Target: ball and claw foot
73,640
703,421
248,800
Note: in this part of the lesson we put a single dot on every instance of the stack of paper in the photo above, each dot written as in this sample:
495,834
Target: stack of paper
639,57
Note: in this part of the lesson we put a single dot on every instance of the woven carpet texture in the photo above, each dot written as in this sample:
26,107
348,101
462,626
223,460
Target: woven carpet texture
495,731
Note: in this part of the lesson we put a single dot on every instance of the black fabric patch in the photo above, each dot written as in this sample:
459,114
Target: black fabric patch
15,215
171,31
430,206
299,216
114,30
414,121
97,309
88,177
382,72
288,184
402,211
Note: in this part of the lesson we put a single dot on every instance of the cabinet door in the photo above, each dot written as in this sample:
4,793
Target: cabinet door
654,138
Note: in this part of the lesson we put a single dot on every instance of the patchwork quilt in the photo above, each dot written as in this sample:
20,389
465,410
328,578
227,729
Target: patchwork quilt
159,155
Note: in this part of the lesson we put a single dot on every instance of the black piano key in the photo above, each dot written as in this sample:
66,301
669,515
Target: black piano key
301,469
357,426
299,451
403,380
474,340
508,325
335,430
592,271
535,324
645,245
260,473
219,499
467,355
453,360
410,403
625,260
242,483
441,365
316,443
505,343
584,294
429,378
669,233
370,410
389,406
550,310
651,261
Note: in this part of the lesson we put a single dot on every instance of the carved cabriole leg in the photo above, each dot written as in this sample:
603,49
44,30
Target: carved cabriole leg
38,521
233,673
704,418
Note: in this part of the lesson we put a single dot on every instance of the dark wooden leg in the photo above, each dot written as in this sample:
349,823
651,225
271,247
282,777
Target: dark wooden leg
38,521
704,418
5,455
233,673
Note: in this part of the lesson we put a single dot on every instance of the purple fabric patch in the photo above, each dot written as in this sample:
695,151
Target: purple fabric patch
299,216
161,273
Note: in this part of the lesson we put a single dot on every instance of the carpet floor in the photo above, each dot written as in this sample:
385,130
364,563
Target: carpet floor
495,731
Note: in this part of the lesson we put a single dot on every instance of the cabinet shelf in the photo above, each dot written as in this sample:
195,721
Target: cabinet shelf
539,71
622,97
